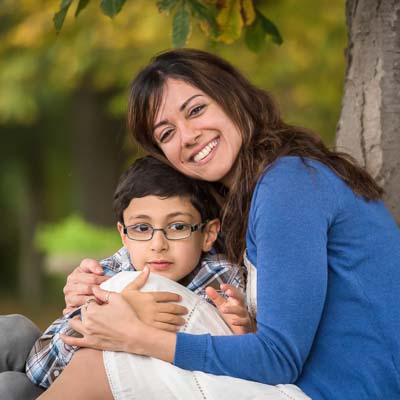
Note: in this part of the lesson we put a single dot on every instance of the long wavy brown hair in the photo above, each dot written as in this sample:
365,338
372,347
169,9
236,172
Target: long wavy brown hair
266,137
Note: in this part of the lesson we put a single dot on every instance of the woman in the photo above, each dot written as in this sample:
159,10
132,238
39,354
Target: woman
322,251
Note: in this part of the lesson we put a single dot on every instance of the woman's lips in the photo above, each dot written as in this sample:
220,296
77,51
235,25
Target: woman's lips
209,151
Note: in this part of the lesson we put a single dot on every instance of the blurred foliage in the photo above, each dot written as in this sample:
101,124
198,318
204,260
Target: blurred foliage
220,20
60,94
75,236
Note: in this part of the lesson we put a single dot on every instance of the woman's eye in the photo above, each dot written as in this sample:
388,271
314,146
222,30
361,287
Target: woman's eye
165,135
196,110
179,227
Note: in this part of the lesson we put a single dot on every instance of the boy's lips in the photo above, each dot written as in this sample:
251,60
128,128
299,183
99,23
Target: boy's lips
159,265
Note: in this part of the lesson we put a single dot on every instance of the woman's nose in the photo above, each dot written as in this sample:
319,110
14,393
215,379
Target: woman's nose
159,242
189,135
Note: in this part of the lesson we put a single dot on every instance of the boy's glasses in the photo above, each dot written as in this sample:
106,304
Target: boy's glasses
174,231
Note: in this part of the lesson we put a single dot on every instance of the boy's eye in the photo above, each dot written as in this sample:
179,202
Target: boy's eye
140,228
196,110
178,226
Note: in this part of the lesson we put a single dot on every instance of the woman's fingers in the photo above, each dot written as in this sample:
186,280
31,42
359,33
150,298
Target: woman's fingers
88,265
104,296
81,281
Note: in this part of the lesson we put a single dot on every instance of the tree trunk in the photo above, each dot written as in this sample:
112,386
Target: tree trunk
97,153
31,213
369,124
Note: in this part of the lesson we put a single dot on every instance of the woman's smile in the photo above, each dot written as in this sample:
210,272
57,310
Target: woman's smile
195,134
205,151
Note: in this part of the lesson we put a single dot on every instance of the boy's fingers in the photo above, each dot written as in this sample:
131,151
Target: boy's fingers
241,322
214,296
234,309
232,291
171,308
140,280
170,319
166,327
163,297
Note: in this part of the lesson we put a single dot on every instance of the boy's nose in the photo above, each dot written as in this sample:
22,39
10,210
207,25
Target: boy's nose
159,242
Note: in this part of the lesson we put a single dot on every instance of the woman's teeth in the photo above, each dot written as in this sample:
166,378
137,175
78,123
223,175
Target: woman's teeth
206,151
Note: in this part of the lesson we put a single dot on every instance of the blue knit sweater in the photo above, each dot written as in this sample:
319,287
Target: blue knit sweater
328,284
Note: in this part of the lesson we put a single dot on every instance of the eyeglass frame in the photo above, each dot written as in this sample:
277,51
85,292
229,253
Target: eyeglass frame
193,228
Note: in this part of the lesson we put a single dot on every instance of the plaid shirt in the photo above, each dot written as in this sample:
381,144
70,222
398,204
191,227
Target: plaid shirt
50,354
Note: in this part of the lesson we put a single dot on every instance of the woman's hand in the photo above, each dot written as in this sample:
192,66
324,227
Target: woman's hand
154,308
113,325
80,284
233,309
110,326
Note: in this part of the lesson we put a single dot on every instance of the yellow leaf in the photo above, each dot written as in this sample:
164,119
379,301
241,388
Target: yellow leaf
230,21
248,12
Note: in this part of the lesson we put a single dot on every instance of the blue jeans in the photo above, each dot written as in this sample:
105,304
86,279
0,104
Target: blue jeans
17,336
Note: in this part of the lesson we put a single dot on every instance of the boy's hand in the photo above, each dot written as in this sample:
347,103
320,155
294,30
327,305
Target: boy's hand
153,308
232,309
80,283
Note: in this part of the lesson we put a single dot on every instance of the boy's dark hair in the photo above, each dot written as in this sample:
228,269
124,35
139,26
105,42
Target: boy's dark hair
148,176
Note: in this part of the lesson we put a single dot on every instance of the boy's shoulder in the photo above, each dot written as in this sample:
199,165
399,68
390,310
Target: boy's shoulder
215,269
118,262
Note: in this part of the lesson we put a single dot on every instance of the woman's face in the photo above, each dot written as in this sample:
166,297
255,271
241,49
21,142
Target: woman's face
195,134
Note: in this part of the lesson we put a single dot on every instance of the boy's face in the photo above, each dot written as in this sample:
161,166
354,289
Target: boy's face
173,259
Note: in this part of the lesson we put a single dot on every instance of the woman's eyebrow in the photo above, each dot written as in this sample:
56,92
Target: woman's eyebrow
181,108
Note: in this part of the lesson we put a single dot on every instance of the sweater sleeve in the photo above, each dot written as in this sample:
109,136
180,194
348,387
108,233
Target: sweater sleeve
292,208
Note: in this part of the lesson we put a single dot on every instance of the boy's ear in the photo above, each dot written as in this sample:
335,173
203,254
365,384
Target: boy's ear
210,231
121,232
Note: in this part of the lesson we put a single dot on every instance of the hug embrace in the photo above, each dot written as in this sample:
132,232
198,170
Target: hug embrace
303,232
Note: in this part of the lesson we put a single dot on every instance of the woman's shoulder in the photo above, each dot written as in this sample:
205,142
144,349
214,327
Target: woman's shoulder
295,169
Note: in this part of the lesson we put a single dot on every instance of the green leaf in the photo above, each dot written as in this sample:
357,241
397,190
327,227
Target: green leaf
81,5
255,36
230,21
205,15
270,29
166,5
111,7
180,26
248,12
60,15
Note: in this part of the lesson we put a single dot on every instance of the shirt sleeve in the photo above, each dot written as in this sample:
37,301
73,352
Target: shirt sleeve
292,208
50,355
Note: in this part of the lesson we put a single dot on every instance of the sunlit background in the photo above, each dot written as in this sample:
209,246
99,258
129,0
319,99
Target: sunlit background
63,131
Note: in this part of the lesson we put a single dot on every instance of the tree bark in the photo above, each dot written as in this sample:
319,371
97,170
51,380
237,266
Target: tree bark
97,154
369,124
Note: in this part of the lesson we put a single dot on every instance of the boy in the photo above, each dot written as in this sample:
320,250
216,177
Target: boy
168,224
